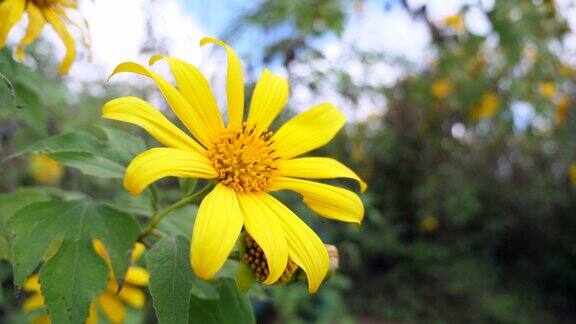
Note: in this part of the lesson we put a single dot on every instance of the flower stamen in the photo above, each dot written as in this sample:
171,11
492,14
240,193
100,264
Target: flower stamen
244,159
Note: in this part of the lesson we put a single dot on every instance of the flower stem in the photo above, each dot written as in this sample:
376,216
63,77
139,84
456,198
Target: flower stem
179,204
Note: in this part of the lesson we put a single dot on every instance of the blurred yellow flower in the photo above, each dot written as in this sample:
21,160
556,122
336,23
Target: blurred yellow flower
566,70
561,112
246,160
572,173
487,107
442,88
111,303
39,13
429,224
45,169
456,23
547,90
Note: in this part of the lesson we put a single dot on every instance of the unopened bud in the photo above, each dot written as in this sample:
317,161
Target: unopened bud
333,257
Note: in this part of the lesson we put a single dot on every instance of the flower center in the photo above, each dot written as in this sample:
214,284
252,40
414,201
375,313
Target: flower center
256,259
244,159
44,3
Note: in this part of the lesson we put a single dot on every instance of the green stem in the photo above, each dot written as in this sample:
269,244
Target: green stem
179,204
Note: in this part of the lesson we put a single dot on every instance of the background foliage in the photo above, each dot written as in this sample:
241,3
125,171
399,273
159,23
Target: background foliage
470,199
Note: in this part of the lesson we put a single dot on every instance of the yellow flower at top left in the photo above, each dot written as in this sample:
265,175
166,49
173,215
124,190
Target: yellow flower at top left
40,12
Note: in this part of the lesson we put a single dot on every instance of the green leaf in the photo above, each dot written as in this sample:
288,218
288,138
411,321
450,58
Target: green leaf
244,276
75,274
122,146
10,203
172,279
187,186
180,222
232,307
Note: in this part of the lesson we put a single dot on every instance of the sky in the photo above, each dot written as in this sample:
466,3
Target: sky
118,30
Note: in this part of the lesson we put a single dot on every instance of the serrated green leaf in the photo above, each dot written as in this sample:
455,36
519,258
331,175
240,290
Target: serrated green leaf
170,279
75,274
10,203
122,146
232,307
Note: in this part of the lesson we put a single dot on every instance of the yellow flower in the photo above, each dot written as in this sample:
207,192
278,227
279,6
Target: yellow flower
39,13
442,88
561,113
111,303
456,23
572,173
246,160
429,224
547,90
45,169
487,108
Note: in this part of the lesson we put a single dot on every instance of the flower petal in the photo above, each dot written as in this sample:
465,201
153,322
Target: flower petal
137,111
33,302
133,296
45,319
264,226
216,229
304,247
137,276
308,130
60,29
11,12
269,98
195,88
190,117
234,83
32,284
158,163
112,307
36,23
326,200
92,315
317,168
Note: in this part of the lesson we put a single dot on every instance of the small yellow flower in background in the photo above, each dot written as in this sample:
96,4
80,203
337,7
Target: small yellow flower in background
566,70
111,303
45,169
429,224
561,112
547,90
572,173
39,13
442,88
456,23
246,160
487,107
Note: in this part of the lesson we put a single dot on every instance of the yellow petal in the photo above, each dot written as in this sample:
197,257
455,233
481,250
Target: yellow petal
62,31
264,226
196,89
326,200
269,98
43,319
308,130
139,249
93,314
216,229
191,118
304,247
10,12
137,111
112,307
36,22
234,83
33,302
158,163
317,168
133,296
137,276
32,284
100,248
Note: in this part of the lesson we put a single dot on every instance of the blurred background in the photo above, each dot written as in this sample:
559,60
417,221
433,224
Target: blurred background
461,122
